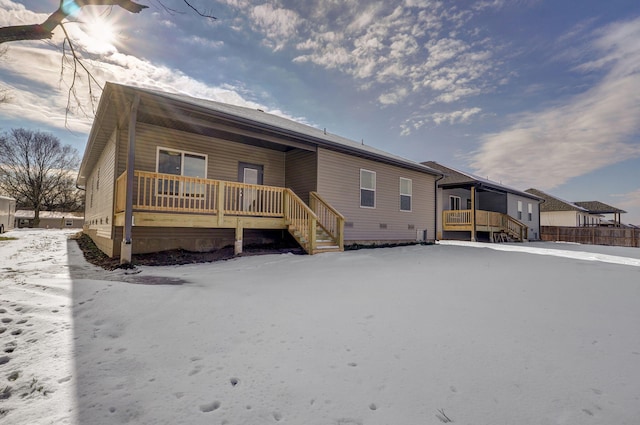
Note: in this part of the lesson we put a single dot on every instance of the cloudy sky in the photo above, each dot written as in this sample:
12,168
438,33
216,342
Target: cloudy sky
530,93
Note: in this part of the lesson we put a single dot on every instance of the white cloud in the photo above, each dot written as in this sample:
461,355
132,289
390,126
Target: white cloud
455,117
580,134
277,24
379,44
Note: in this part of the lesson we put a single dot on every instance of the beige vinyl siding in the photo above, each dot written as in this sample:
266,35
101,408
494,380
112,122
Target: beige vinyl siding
301,171
223,156
339,184
100,191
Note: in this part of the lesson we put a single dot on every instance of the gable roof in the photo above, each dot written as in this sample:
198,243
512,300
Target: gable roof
553,203
598,207
456,178
177,107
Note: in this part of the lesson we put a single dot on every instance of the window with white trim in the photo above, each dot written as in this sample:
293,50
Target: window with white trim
454,202
180,163
519,210
406,191
367,188
530,211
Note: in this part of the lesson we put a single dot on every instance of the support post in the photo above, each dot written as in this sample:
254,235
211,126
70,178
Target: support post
221,190
125,249
237,247
473,213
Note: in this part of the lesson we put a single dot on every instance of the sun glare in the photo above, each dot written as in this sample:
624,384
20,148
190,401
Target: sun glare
102,34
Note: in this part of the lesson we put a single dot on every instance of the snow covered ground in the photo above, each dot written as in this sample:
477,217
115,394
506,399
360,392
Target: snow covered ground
410,335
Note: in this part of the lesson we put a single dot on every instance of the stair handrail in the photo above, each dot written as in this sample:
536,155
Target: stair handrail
301,219
516,227
332,222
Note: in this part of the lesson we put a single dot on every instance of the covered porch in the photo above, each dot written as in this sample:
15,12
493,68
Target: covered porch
168,200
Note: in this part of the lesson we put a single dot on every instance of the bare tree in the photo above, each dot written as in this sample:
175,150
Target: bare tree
34,166
67,9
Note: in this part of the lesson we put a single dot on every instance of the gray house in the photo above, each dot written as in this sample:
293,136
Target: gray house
473,208
164,171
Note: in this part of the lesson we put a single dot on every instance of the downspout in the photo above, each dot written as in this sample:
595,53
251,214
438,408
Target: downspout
435,203
126,251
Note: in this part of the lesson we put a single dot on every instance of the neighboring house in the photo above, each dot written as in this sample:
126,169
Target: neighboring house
599,209
7,213
473,208
558,212
49,219
165,171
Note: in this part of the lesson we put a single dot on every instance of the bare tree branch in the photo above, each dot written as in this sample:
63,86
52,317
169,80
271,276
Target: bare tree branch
203,14
45,30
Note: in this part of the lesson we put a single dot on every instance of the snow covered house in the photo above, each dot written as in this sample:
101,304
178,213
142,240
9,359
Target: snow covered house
164,171
473,208
49,219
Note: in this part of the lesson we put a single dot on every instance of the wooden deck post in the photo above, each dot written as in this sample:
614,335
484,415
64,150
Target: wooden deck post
473,213
221,190
237,247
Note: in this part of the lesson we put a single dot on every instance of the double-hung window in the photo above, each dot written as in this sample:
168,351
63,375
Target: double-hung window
180,163
530,211
367,188
405,194
519,210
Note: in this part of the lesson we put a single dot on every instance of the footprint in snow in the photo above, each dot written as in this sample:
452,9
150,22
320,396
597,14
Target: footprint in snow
210,407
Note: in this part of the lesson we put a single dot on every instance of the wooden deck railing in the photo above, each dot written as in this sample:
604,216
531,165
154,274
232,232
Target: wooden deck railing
302,221
489,221
167,193
171,193
328,218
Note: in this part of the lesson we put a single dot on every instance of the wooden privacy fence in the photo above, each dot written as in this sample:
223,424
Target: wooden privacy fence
612,236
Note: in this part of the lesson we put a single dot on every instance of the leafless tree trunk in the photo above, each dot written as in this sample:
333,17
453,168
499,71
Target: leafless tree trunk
34,166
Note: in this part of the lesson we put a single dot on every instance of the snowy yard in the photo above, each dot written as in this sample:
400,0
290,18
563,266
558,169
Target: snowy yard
412,335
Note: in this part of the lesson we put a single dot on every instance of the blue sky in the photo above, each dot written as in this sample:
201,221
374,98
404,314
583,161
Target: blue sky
529,93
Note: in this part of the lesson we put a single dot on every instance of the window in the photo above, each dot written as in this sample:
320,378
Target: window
530,210
367,188
180,164
454,202
405,194
519,210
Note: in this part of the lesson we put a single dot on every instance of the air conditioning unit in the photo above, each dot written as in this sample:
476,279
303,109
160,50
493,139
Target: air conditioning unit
421,235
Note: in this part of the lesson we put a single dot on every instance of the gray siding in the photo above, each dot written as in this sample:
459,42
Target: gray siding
339,184
301,173
534,223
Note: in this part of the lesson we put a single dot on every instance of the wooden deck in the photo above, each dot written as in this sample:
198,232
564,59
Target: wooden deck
485,221
166,200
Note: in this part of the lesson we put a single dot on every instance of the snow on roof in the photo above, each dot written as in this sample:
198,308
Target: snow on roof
29,214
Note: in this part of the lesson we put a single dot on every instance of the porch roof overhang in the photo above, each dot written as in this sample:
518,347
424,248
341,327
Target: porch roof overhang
238,124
